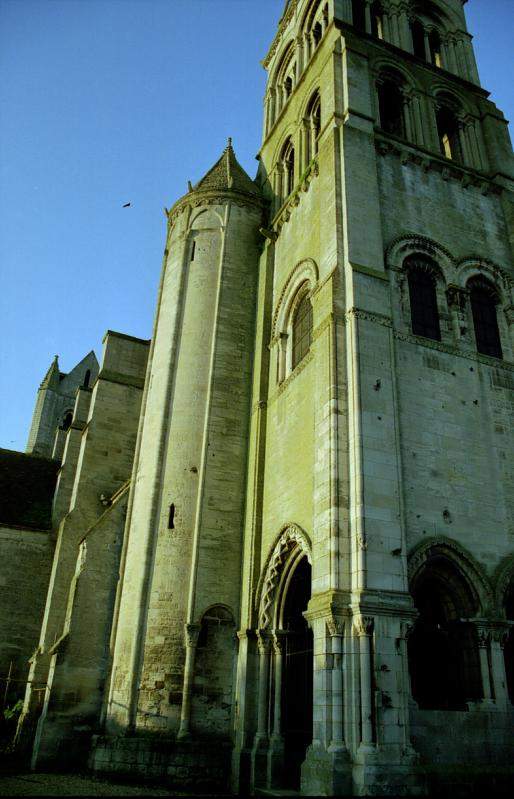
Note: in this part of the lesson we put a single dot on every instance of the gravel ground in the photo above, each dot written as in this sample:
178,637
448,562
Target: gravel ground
31,784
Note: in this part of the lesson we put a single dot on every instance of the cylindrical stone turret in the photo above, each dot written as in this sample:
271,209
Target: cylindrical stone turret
185,518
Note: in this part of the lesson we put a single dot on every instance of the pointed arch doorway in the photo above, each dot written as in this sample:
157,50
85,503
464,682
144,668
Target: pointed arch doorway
296,690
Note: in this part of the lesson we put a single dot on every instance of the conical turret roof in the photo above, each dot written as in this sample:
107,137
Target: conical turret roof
228,174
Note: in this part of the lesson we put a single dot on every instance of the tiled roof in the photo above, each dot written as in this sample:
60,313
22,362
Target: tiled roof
226,174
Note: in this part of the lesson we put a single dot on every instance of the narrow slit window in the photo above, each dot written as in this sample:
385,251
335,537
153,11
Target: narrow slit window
193,250
171,518
87,378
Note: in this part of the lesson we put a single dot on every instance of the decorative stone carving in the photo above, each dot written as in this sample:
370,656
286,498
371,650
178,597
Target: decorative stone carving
291,536
191,633
335,625
363,625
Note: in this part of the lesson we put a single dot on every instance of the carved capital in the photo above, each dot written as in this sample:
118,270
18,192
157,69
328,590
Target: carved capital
363,625
263,642
191,633
456,297
335,626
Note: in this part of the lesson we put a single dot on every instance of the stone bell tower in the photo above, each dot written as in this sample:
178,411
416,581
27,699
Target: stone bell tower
385,300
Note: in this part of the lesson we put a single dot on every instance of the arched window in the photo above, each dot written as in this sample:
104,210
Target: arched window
484,300
87,378
443,649
434,43
302,330
67,420
288,86
359,15
314,127
509,644
423,298
448,129
418,39
288,168
390,105
377,20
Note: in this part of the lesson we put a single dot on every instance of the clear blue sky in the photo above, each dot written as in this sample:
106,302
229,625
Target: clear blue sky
104,102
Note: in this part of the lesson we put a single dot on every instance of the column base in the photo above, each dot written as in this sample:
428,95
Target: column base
380,772
326,773
275,765
259,763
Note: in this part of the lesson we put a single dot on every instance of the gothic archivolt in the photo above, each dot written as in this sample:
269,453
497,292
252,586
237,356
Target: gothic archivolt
292,537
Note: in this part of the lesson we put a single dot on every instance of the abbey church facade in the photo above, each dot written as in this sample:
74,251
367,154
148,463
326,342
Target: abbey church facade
274,545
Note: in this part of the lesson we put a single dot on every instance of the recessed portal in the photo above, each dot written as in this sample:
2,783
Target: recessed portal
298,668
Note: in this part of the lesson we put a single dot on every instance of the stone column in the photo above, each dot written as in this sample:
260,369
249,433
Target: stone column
264,644
464,145
457,303
367,12
498,639
335,627
418,121
259,764
191,633
428,54
276,743
483,637
363,627
405,39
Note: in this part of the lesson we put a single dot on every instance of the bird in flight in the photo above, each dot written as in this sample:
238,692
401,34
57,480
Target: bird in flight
127,205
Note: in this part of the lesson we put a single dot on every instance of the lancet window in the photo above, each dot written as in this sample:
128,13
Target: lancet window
484,301
422,281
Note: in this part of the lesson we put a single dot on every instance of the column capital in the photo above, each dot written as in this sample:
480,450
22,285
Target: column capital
264,642
363,625
191,633
335,626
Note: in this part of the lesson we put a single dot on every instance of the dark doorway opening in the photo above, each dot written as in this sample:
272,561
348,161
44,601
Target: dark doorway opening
298,673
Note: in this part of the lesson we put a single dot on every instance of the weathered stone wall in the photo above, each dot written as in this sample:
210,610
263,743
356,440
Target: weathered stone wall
25,563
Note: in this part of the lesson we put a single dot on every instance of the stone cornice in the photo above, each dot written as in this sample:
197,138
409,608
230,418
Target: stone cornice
197,198
282,25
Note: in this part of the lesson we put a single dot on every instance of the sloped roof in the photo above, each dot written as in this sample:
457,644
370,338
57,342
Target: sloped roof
228,174
27,485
